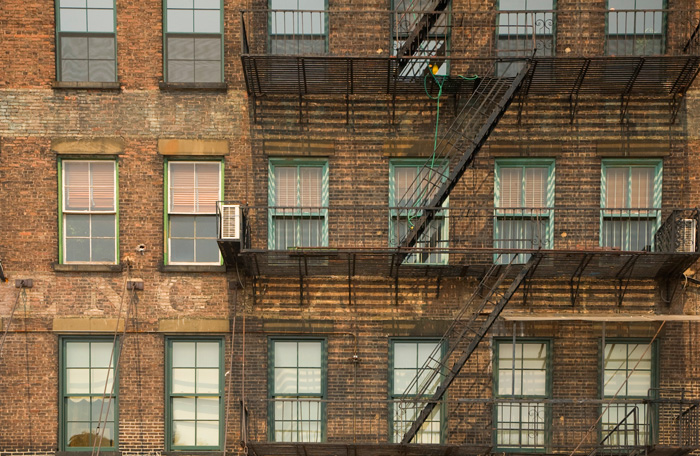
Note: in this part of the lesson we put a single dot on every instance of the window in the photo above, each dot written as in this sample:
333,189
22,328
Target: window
524,200
298,197
86,40
298,27
194,394
411,364
636,27
88,211
297,389
629,373
411,186
193,41
193,190
522,373
517,23
88,394
409,13
631,201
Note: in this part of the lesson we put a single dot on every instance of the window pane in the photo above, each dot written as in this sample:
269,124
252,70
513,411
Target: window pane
207,251
642,189
102,410
183,354
208,180
103,250
179,3
285,186
285,354
207,433
207,21
100,354
309,381
102,226
207,71
77,225
309,354
208,354
183,380
102,48
207,49
183,433
77,354
183,408
310,186
207,408
182,250
100,20
100,378
180,21
285,380
77,249
405,355
78,434
78,409
511,187
100,3
73,20
208,381
78,381
180,48
182,187
205,227
616,187
75,48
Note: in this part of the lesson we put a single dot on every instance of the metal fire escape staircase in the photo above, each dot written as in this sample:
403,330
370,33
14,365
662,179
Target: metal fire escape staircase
469,325
461,142
466,135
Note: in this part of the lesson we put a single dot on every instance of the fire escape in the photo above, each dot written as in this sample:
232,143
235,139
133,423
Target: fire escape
285,55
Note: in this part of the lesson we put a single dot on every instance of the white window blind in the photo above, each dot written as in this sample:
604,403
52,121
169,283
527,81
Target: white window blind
194,187
89,186
511,187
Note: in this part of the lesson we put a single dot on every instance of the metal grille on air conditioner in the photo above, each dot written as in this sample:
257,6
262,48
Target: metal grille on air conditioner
231,222
686,235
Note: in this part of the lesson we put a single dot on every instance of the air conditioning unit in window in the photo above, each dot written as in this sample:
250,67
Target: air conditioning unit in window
686,234
231,222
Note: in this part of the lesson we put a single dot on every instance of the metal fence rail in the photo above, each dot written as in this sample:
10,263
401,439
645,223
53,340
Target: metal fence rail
501,424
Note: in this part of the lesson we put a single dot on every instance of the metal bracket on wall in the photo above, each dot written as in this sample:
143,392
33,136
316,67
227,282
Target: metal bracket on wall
573,95
351,273
676,103
623,278
627,94
576,277
527,281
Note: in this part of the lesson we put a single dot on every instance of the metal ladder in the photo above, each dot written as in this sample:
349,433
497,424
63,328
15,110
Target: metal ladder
488,300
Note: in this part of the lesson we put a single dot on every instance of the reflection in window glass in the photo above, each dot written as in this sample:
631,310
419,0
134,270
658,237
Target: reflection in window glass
89,394
521,373
86,41
413,363
297,386
195,394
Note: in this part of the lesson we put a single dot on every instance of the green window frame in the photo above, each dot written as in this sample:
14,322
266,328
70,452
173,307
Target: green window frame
194,393
522,372
88,385
190,211
404,206
297,386
436,45
298,203
632,27
86,40
298,27
630,201
193,41
407,360
524,192
88,211
514,32
638,359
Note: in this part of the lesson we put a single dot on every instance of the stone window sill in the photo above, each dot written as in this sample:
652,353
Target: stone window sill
87,85
193,86
191,268
87,453
87,268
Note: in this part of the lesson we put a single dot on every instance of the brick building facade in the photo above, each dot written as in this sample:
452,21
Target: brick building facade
128,129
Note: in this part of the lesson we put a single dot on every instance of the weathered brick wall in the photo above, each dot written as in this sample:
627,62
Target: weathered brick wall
359,320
